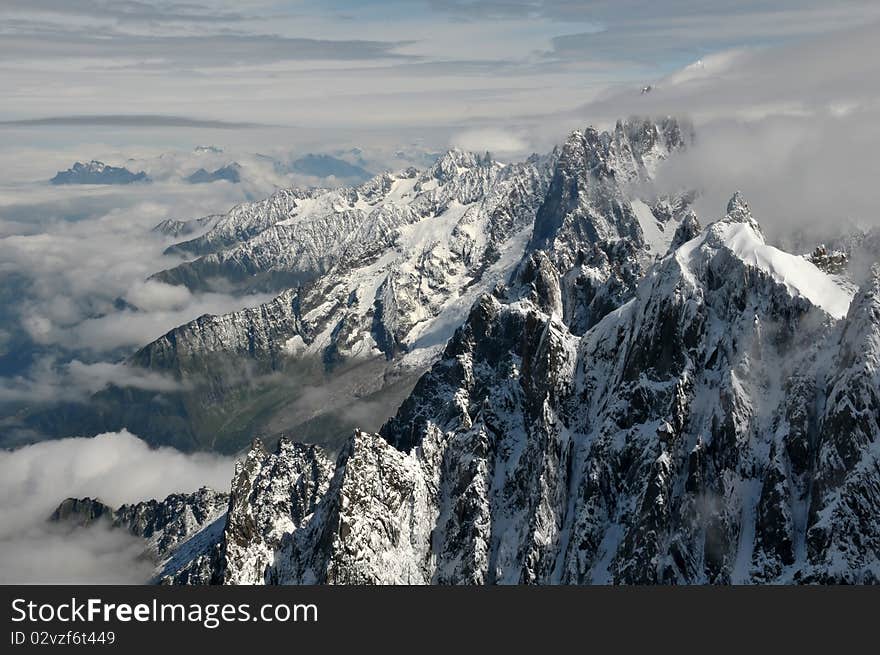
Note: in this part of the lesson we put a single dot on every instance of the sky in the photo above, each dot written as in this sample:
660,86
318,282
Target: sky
784,95
366,64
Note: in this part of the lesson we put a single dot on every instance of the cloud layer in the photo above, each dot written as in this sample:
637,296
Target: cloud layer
68,256
117,468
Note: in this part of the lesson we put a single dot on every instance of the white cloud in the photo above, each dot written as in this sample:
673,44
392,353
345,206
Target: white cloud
151,295
74,381
70,253
493,140
117,468
795,127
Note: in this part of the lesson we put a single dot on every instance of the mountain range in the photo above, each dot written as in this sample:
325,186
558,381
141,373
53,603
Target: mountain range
371,282
592,384
96,172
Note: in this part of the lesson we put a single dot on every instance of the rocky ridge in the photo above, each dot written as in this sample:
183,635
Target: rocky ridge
719,427
181,531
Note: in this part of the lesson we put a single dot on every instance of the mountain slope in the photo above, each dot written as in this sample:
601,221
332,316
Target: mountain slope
843,540
599,236
376,278
719,427
387,270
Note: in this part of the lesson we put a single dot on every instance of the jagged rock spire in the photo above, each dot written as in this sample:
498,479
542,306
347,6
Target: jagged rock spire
738,211
688,229
738,208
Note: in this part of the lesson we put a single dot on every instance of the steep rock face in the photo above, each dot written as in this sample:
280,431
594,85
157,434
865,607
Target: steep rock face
273,495
293,519
372,527
688,229
81,511
165,524
603,278
405,250
598,235
585,202
255,331
685,438
843,541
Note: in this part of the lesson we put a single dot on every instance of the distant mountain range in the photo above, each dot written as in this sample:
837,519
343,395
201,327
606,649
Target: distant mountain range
325,169
96,172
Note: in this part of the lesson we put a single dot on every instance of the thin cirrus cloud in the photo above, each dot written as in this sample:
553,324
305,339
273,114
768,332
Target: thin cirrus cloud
125,11
215,50
369,63
130,120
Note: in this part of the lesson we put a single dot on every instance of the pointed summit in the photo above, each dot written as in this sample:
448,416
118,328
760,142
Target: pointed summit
688,229
738,208
738,211
455,161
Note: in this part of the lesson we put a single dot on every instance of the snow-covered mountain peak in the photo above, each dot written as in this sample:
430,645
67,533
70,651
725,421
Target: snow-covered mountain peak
589,199
639,144
94,166
738,211
739,235
97,172
628,399
599,235
455,160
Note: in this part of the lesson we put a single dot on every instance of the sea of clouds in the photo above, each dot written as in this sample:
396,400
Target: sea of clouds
116,468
